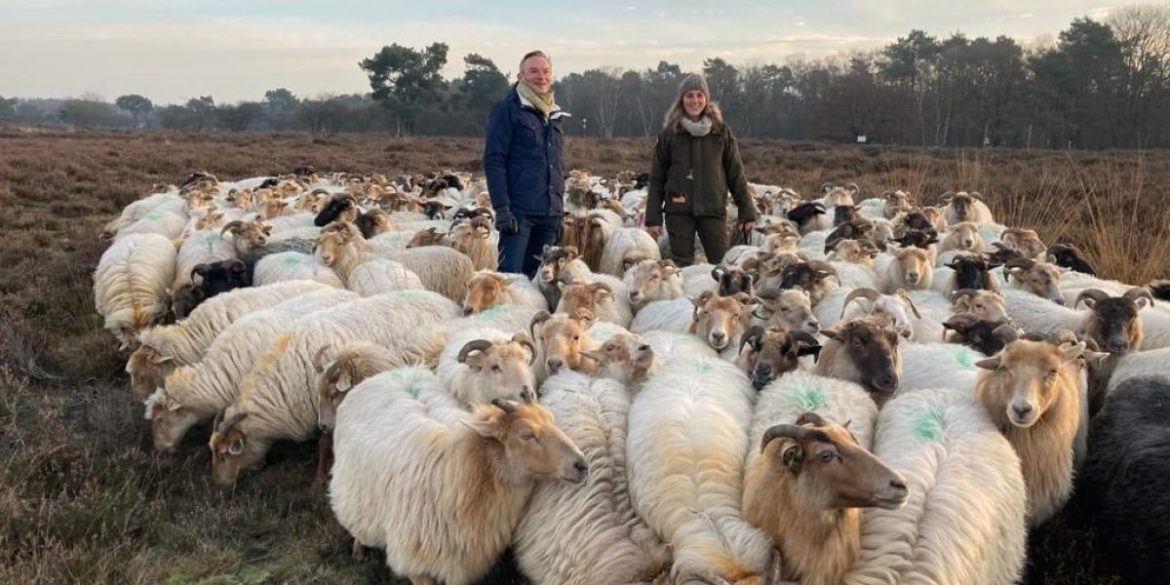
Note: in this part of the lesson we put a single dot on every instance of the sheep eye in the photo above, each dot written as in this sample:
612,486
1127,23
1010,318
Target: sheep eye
527,435
828,456
496,368
783,309
576,338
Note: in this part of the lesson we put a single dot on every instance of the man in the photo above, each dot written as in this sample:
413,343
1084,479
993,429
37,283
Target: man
525,171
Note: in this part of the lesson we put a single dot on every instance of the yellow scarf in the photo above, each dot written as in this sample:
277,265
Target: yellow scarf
544,102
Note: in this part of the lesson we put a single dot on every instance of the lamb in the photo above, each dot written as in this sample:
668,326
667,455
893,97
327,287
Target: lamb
379,275
488,289
286,266
482,364
1123,478
864,351
966,207
818,534
130,283
908,268
652,280
403,464
195,392
964,521
596,519
627,246
1031,391
688,436
276,398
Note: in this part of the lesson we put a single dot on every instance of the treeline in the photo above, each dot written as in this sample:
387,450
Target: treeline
1097,85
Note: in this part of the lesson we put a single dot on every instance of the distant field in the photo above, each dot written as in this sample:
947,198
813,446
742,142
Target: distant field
83,497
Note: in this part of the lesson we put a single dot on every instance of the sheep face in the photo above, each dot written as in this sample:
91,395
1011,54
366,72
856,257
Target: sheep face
534,446
813,276
623,357
1069,256
779,242
242,199
505,368
595,298
1023,380
822,466
561,338
720,321
897,200
871,344
914,267
1113,322
485,290
963,236
653,280
986,305
805,215
332,241
341,206
185,299
553,260
220,277
892,307
959,206
1039,278
374,222
733,280
248,235
1026,241
971,272
169,421
229,452
854,252
766,354
916,238
986,337
273,208
844,214
791,309
840,195
148,370
467,235
427,237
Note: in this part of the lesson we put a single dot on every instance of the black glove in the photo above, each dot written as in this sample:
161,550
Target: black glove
506,222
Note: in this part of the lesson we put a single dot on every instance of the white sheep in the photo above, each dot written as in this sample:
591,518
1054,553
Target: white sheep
964,521
627,247
966,207
481,364
168,202
688,436
441,269
165,223
203,247
278,398
609,543
196,392
130,283
286,266
909,268
379,275
408,472
186,341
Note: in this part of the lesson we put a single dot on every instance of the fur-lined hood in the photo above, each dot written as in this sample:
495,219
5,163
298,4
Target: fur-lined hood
675,114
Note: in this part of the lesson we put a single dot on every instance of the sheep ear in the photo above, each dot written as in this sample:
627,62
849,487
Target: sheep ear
1072,352
237,447
988,364
344,382
173,406
162,359
489,425
792,456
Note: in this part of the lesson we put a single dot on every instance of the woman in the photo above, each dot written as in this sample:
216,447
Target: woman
696,162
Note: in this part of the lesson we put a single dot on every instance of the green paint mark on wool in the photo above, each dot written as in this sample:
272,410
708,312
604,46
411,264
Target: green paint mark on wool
964,359
292,260
152,216
406,295
811,398
490,314
929,425
703,366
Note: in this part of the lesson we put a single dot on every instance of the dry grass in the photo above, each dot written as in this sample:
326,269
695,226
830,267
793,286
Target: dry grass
83,498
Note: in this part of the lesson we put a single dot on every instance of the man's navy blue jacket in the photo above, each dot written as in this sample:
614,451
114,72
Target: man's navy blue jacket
523,159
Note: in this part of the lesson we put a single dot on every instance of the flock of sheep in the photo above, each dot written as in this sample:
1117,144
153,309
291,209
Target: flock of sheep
866,391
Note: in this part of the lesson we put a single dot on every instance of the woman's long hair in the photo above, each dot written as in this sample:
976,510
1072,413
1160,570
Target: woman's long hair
676,113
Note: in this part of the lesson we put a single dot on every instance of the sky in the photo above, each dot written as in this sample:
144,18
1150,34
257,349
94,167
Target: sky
173,50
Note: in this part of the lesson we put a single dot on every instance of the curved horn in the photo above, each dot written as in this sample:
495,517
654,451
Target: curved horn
905,296
804,336
507,406
777,431
1019,262
859,293
318,363
975,195
812,417
473,345
537,319
526,341
699,574
1138,292
232,226
601,286
230,422
752,336
218,419
1096,294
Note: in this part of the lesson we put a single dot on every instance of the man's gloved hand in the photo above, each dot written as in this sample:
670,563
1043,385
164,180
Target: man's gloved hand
506,222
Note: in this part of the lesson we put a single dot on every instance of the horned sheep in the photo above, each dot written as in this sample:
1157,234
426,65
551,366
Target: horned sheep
403,463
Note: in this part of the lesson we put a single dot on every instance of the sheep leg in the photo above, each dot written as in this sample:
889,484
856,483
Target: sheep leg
421,580
324,450
359,551
775,569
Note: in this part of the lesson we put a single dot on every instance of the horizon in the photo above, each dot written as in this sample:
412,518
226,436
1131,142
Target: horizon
235,53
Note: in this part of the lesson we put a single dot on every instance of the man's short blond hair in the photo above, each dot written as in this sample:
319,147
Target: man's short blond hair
531,54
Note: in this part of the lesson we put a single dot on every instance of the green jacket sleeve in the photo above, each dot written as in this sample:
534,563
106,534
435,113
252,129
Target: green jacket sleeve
658,168
736,180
